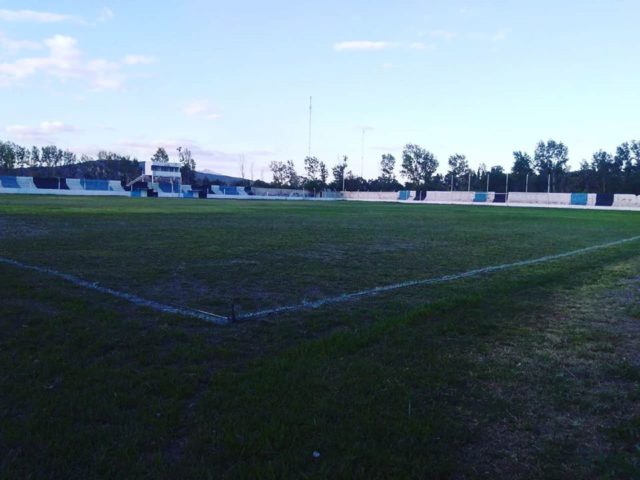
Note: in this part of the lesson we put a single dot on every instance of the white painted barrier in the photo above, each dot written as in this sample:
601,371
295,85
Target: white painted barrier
450,197
381,196
626,200
540,198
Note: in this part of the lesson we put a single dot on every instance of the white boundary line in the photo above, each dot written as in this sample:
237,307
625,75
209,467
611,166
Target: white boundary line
220,320
142,302
429,281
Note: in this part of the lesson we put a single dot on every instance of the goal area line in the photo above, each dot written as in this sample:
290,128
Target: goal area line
305,305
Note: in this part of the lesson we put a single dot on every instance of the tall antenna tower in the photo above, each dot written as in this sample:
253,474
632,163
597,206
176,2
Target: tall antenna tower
310,99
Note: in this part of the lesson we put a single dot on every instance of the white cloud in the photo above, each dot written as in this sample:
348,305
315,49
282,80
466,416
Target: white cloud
363,45
138,60
501,34
36,17
106,14
66,62
45,129
200,108
420,46
367,45
11,46
443,34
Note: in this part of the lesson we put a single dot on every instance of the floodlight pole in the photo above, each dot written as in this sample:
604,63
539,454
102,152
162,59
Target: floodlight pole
549,183
452,181
469,185
526,185
506,190
488,175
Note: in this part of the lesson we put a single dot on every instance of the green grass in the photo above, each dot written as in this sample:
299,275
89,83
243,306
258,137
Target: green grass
529,373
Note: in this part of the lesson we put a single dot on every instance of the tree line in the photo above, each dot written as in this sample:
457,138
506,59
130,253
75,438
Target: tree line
544,170
51,161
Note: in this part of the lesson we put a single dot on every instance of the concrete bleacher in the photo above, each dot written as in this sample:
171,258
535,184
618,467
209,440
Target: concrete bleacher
74,184
8,182
165,187
95,185
115,186
226,190
26,183
60,186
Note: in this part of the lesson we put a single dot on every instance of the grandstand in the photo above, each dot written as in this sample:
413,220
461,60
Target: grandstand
164,180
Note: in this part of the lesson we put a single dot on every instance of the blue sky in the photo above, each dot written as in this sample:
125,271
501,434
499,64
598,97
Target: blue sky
232,80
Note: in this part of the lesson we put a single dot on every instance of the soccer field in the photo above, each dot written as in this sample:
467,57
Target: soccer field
530,370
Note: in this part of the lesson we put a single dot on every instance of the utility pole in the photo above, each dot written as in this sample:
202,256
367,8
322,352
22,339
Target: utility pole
526,185
469,185
488,174
506,189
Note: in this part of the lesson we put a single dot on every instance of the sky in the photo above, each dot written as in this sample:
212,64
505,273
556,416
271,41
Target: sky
231,80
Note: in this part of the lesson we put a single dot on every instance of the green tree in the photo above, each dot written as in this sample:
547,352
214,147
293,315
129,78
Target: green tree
522,164
188,165
605,168
458,169
279,173
418,164
387,166
160,156
293,179
312,168
550,159
7,156
35,157
68,158
339,172
22,157
324,174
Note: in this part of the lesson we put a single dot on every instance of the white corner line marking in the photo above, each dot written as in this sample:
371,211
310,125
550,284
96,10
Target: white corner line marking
429,281
312,304
142,302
